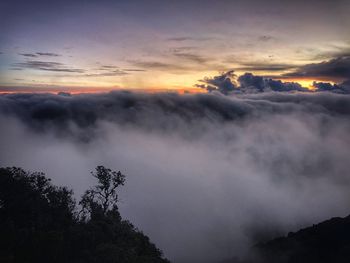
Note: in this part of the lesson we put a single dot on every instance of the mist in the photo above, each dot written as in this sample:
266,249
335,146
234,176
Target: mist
208,175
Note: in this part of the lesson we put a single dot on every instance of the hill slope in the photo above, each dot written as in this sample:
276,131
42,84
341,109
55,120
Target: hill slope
40,222
328,241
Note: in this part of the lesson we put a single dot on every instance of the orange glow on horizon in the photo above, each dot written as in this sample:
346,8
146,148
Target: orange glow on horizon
307,83
103,90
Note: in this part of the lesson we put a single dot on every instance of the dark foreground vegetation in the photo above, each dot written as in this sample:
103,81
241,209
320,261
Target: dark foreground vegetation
40,222
327,242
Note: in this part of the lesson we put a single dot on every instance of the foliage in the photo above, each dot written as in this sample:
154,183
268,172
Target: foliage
102,197
39,222
325,242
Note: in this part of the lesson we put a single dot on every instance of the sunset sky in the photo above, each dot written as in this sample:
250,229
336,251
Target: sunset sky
229,118
156,45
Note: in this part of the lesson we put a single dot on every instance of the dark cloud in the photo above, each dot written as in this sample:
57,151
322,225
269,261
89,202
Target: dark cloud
325,86
107,67
46,66
157,65
337,88
182,39
184,60
320,54
247,83
250,83
346,84
222,83
65,94
182,49
179,39
134,70
126,108
265,66
30,55
187,54
337,68
191,57
228,83
37,54
110,70
48,54
119,107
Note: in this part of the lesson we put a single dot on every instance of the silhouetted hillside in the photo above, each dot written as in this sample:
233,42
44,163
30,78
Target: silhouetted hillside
328,241
40,222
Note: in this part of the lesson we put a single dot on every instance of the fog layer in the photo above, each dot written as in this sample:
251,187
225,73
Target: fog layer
207,175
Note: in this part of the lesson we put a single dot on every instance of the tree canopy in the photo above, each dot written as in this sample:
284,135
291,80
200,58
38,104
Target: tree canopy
40,222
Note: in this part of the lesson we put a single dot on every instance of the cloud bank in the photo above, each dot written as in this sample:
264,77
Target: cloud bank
248,83
337,68
207,175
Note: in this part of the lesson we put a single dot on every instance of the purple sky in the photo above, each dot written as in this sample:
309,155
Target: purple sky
166,44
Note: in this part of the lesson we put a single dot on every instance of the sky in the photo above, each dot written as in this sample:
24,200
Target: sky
260,149
152,45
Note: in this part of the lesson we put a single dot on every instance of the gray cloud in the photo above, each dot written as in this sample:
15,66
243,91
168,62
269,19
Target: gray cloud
342,88
337,68
222,83
107,67
206,174
325,86
191,57
247,83
319,54
48,54
186,53
134,70
46,66
265,66
30,55
250,83
37,54
346,84
108,72
227,83
182,49
157,65
186,38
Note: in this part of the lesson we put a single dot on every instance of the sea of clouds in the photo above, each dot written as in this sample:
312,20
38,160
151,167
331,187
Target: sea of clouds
207,175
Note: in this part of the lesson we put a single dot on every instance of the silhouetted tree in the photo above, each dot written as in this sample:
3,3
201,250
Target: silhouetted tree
34,217
39,222
103,197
